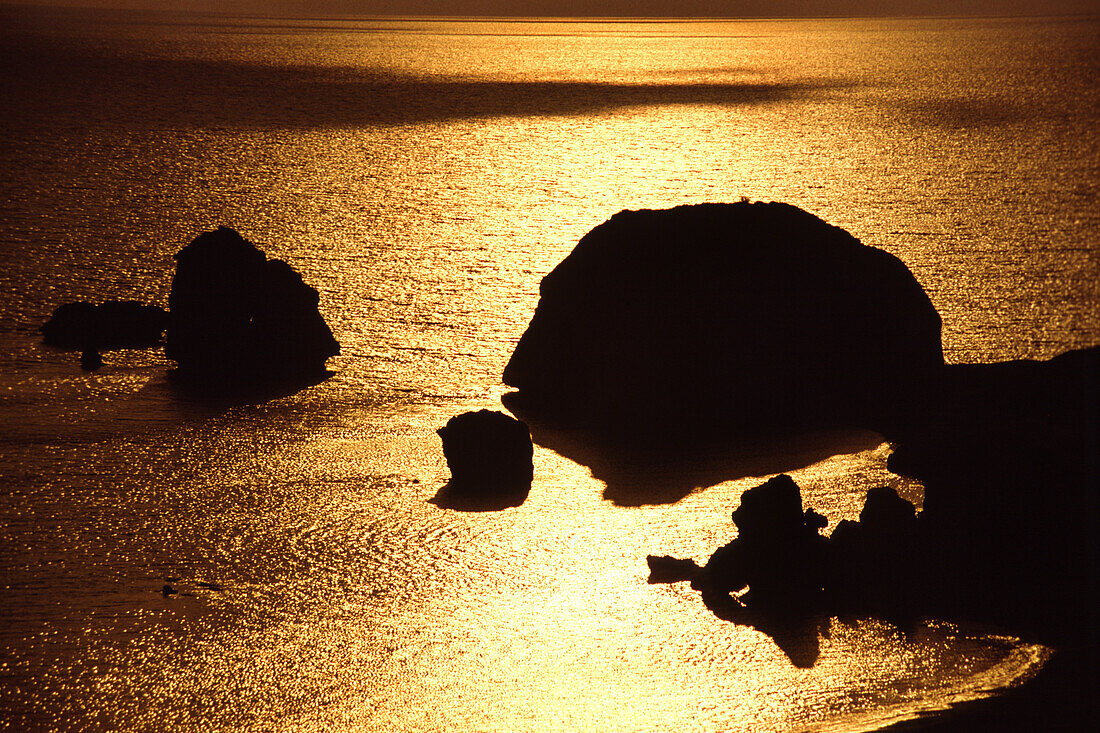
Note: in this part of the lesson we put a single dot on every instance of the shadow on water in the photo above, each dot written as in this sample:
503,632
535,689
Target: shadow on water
665,469
237,95
798,636
240,393
458,499
194,399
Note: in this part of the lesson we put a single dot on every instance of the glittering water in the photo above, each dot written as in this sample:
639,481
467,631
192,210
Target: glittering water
424,176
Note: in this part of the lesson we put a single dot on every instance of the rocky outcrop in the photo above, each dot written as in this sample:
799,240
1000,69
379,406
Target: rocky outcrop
747,315
1008,455
878,565
114,324
780,572
668,569
490,457
238,317
1009,533
778,554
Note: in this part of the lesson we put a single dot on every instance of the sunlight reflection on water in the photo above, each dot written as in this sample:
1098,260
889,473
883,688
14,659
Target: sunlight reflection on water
426,212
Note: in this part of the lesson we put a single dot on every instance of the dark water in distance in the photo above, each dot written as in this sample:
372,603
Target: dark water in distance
424,176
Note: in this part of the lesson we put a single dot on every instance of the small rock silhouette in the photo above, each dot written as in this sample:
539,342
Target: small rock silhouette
490,456
114,324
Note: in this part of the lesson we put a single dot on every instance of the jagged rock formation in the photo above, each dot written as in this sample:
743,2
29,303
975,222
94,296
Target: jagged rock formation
778,553
238,317
114,324
490,456
1009,534
780,568
878,565
746,315
1009,455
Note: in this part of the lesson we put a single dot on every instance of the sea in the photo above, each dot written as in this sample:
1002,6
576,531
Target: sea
423,176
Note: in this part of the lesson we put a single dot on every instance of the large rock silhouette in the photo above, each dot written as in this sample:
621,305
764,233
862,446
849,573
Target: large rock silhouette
746,315
237,317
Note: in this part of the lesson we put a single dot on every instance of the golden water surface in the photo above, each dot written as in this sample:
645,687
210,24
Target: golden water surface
424,177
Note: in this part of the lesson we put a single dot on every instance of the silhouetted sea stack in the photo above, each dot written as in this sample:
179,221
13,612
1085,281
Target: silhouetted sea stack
746,315
236,316
490,457
115,324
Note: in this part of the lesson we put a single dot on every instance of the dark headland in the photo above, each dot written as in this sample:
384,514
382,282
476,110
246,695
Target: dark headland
723,323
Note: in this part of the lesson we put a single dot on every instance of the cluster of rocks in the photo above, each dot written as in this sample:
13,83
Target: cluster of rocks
781,566
717,321
235,318
1010,503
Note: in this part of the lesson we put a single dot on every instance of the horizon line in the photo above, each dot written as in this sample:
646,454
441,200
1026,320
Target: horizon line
543,18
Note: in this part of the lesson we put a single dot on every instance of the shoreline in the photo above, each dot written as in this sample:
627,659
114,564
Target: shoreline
1060,697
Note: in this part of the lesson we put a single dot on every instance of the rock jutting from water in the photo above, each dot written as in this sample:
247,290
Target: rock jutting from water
115,324
780,568
745,315
490,456
238,317
778,553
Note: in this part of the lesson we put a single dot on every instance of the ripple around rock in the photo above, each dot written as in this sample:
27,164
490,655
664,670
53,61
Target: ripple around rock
236,316
746,315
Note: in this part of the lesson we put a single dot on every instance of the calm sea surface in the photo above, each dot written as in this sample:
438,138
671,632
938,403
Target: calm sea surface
424,176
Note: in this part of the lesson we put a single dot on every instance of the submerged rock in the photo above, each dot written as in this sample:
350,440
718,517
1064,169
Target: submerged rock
115,324
746,315
237,316
490,456
90,360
